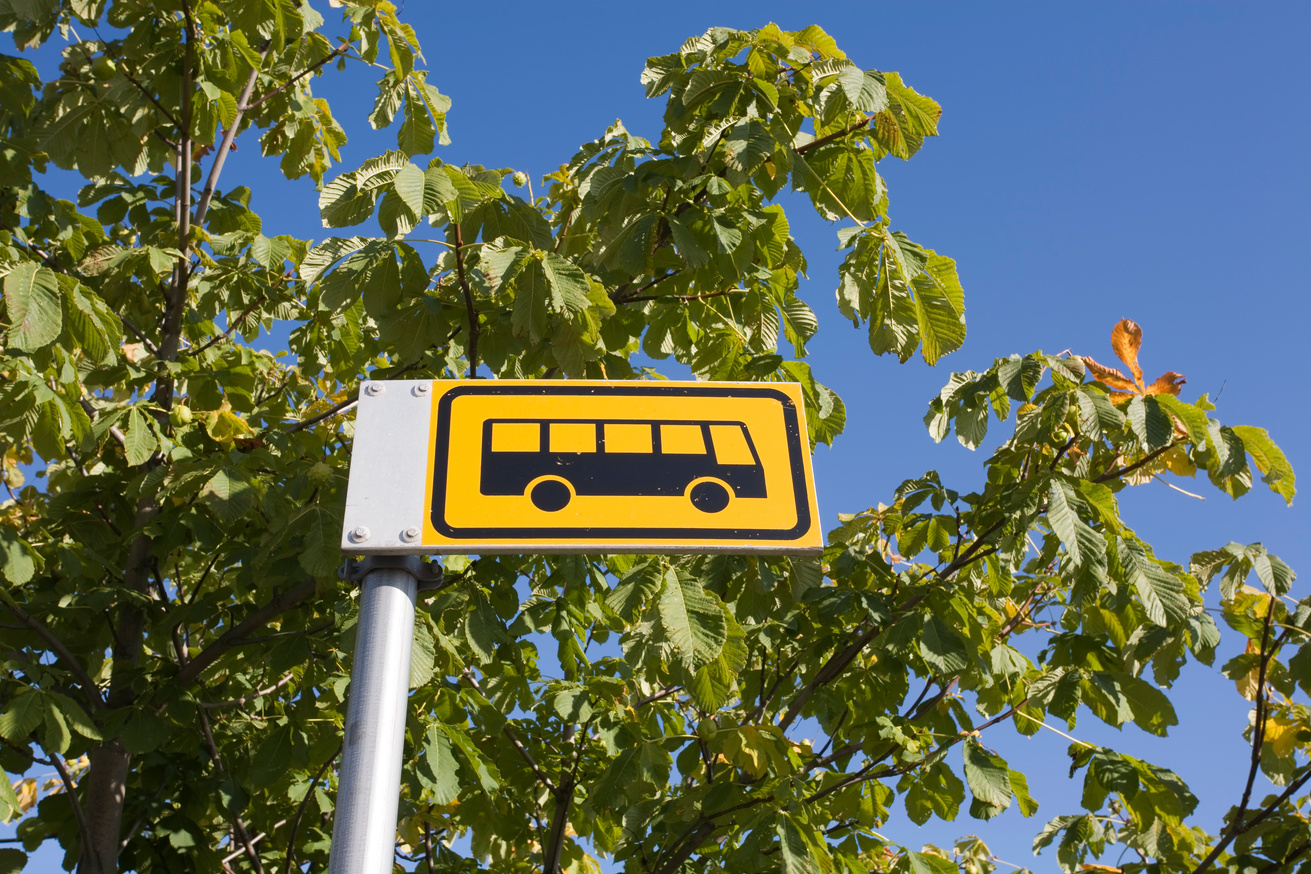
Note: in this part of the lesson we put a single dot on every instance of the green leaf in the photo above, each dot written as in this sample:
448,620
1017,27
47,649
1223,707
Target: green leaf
10,810
1149,422
482,628
925,863
35,311
1152,710
442,766
273,756
21,715
630,595
1084,546
532,294
939,307
229,494
988,778
1020,787
569,285
942,649
139,441
409,185
15,557
57,736
794,850
1161,592
422,652
1270,460
12,861
692,620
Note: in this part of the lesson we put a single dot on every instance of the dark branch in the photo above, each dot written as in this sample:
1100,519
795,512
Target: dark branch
1146,459
471,310
825,140
338,51
90,689
300,811
232,327
1236,826
233,637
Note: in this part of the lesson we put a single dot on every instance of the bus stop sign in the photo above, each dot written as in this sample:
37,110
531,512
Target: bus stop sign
493,466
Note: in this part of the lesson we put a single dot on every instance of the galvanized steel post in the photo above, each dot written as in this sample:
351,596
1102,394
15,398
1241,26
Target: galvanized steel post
369,783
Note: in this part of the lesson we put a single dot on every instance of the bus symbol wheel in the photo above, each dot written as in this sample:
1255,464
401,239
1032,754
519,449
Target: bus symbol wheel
550,495
709,496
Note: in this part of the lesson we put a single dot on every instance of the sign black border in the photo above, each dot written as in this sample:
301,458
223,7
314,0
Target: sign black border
791,423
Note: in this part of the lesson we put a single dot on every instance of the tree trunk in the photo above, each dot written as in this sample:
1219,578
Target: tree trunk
106,783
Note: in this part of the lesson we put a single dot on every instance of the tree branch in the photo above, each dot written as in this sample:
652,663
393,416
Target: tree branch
210,654
238,827
338,51
1236,826
514,739
825,140
683,297
89,687
300,811
82,826
231,327
471,311
230,134
245,699
1146,459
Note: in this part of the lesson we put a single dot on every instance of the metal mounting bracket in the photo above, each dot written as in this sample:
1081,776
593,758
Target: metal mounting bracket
427,573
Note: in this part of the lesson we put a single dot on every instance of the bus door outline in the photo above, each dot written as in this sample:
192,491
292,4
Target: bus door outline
550,478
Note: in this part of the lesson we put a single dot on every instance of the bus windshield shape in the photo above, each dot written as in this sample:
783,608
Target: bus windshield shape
709,462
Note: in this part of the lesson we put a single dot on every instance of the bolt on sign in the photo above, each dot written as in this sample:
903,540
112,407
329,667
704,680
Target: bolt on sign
491,466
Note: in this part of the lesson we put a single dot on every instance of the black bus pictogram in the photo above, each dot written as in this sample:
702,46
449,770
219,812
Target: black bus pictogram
552,460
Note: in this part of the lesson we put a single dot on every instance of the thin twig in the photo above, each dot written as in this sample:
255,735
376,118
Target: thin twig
1236,826
246,699
71,790
824,140
514,739
683,297
231,327
1146,459
339,50
300,811
140,335
280,603
471,310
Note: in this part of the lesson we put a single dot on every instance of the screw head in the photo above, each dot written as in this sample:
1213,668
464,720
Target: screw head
410,535
421,389
358,534
375,389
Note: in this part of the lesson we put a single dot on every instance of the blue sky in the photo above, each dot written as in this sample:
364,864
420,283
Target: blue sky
1096,162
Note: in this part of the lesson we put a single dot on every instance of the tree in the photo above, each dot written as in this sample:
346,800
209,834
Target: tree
177,645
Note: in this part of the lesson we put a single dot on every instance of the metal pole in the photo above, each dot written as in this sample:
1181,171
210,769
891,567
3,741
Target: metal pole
369,785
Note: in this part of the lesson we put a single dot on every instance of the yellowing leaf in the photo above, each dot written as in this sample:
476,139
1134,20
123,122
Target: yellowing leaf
1248,682
1126,340
1281,734
26,791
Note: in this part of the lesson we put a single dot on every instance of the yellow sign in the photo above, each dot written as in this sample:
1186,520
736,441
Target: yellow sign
533,465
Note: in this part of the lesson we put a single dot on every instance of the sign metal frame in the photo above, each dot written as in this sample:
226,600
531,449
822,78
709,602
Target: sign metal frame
398,474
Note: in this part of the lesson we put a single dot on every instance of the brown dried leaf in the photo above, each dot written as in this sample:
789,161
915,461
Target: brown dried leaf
1168,383
1126,340
1109,375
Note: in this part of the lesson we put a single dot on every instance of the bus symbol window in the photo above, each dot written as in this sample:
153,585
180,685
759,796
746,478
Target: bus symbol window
551,462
